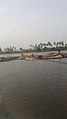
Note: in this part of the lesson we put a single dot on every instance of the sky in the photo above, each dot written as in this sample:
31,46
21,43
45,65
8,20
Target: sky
25,22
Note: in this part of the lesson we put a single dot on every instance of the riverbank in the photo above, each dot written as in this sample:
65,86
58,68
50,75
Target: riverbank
35,57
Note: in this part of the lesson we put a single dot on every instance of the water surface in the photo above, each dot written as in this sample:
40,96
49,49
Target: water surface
34,89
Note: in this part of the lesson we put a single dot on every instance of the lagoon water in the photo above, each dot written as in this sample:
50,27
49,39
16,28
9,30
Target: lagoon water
34,89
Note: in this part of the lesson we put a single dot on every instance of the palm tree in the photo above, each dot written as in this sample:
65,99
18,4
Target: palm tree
62,43
49,44
66,45
14,49
21,50
0,50
55,44
41,45
45,46
5,50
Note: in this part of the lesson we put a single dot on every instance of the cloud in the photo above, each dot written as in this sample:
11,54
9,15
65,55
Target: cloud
3,9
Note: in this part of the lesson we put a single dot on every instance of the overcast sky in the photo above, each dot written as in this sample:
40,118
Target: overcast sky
25,22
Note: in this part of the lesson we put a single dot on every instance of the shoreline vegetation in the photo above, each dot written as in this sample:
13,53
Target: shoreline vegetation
42,47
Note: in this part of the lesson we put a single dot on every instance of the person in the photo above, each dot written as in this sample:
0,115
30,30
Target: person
59,51
33,55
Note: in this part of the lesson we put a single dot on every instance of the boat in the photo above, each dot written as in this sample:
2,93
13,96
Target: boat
30,57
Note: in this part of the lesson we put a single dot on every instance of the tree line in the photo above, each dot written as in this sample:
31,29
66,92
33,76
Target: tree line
41,47
55,46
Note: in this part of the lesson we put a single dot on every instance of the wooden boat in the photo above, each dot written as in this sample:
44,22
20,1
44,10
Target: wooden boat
4,59
55,57
30,58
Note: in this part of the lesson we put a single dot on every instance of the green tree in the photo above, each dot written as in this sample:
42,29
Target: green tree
55,44
0,51
65,45
49,44
21,49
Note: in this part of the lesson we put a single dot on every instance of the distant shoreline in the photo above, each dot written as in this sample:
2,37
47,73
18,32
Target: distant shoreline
32,52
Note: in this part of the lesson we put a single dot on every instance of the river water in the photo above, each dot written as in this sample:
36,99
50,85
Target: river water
34,89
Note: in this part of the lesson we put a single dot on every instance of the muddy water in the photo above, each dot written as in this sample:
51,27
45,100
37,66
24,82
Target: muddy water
34,89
